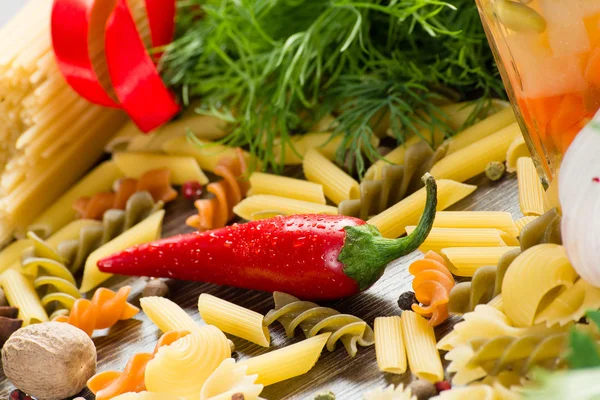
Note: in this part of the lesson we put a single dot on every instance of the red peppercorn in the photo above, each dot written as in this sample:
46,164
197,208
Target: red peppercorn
443,385
191,190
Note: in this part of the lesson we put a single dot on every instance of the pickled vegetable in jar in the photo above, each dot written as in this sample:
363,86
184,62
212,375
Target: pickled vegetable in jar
548,53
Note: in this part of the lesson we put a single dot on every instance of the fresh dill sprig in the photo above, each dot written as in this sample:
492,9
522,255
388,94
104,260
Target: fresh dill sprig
276,66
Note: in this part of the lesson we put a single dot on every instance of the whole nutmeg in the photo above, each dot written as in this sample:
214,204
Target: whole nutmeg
155,287
422,389
50,361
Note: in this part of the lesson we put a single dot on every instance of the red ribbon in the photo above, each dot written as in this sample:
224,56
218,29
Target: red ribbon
135,80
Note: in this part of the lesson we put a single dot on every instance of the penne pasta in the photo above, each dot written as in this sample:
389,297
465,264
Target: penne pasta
20,293
10,256
392,222
517,149
476,219
441,238
534,280
206,153
521,222
389,345
337,185
233,319
146,231
263,206
478,154
531,191
299,189
121,140
464,261
323,142
61,212
287,362
481,130
167,315
423,357
183,168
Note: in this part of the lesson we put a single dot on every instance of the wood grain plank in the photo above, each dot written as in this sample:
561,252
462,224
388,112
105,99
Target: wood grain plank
347,378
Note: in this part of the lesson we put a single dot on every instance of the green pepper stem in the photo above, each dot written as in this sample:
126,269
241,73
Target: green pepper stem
366,253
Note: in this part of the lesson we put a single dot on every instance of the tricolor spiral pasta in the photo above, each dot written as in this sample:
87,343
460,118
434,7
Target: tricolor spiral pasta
390,393
218,211
103,311
108,384
230,379
481,357
397,182
52,277
313,319
432,284
156,182
487,281
182,367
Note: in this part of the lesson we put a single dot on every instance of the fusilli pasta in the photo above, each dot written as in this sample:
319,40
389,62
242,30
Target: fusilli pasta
156,182
312,319
229,379
103,311
397,182
216,212
432,284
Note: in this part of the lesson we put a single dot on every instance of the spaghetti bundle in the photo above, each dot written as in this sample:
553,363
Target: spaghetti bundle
50,135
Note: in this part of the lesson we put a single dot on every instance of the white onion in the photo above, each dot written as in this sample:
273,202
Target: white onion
579,194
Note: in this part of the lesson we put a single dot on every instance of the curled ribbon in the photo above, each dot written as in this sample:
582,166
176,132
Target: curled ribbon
79,26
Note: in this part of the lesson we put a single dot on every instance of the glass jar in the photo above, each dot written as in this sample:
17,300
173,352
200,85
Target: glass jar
548,53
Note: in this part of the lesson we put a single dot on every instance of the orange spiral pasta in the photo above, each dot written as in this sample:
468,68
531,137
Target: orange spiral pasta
109,384
103,311
156,182
218,211
432,284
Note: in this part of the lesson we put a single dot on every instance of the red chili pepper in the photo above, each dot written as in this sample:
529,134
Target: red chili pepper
313,257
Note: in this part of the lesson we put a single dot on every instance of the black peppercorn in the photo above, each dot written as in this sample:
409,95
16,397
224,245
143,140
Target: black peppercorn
406,300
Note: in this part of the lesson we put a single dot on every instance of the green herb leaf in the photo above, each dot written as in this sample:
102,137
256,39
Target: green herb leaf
583,352
595,317
572,385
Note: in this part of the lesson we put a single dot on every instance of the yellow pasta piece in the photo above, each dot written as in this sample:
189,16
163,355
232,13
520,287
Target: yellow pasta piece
233,319
337,185
323,142
263,206
230,379
392,222
517,149
390,393
11,254
441,238
481,130
497,303
478,392
476,219
531,191
182,367
288,362
389,345
167,315
535,278
121,140
183,168
423,358
299,189
20,293
551,199
207,154
146,231
571,305
61,212
522,222
472,160
464,261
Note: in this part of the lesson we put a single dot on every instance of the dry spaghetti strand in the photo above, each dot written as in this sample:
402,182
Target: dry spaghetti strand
432,284
109,384
103,311
156,182
216,212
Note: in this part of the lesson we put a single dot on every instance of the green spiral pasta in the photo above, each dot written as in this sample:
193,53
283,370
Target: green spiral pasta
54,269
378,195
487,281
481,357
313,319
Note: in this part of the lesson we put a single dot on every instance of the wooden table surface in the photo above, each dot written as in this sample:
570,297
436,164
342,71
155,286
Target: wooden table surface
348,378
